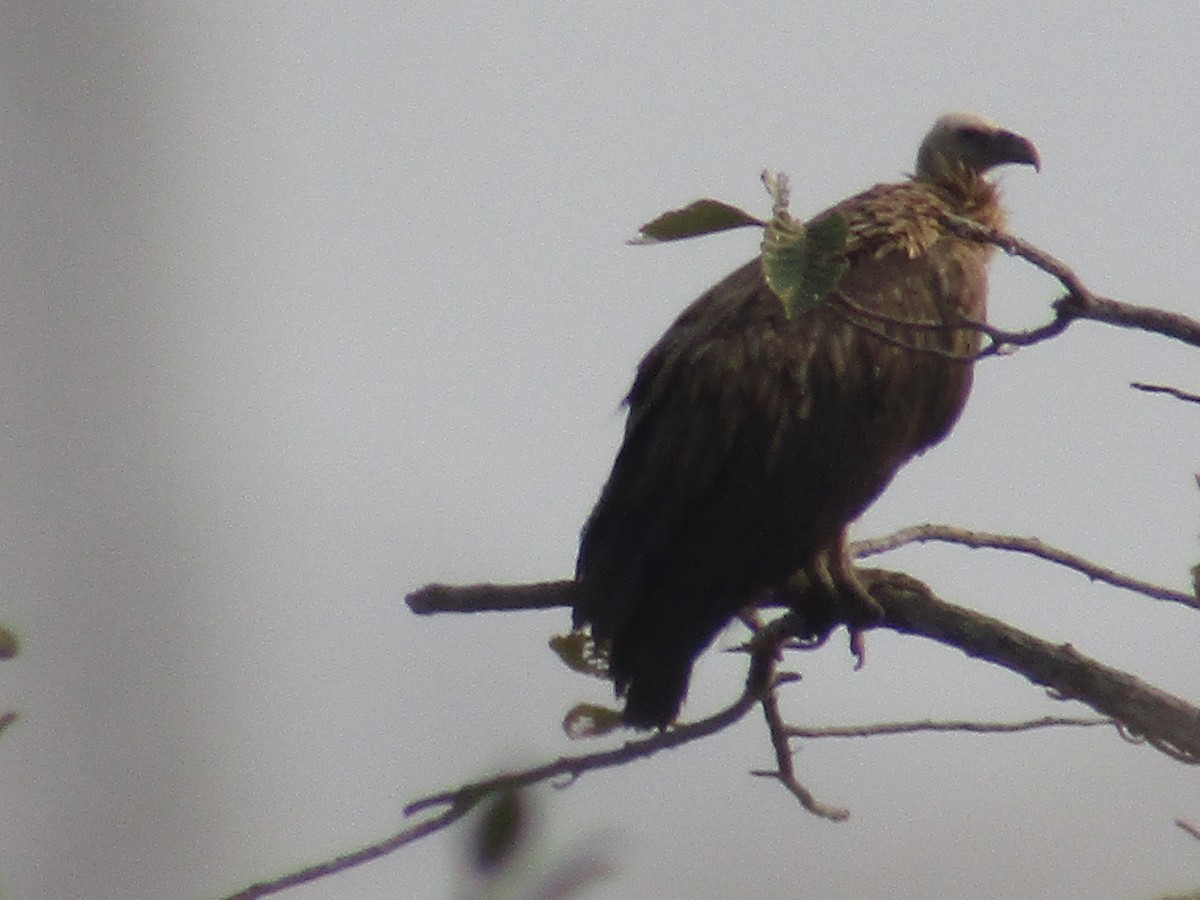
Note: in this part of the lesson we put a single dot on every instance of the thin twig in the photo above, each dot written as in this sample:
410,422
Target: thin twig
772,637
1079,302
975,231
785,771
1001,342
910,607
449,816
461,800
900,321
849,310
1168,723
1166,389
1189,828
1032,546
571,767
884,728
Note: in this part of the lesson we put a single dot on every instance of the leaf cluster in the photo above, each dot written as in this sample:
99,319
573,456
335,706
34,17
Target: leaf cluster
802,264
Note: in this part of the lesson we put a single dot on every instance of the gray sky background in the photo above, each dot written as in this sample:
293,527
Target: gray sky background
307,305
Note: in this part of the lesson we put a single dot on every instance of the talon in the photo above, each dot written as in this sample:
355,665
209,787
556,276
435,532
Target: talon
855,601
858,647
831,575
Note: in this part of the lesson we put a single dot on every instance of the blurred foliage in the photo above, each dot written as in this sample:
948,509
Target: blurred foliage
501,829
10,645
507,857
801,264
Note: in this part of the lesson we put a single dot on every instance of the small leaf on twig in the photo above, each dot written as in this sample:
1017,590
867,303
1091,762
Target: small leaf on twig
784,260
586,720
826,258
580,653
702,217
801,265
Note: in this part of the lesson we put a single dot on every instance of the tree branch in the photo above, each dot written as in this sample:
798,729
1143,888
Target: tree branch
572,767
1079,302
459,801
1188,827
1168,723
1165,389
776,635
916,534
348,861
961,725
440,598
785,771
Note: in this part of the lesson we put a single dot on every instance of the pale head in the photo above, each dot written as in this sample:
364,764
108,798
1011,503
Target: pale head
966,141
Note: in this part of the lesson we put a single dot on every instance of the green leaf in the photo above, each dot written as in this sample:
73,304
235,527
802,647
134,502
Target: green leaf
826,258
702,217
586,720
785,259
802,266
580,653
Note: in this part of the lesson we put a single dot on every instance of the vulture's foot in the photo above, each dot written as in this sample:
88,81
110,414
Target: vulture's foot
832,574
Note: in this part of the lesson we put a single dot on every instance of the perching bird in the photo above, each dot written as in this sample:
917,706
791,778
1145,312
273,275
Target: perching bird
755,438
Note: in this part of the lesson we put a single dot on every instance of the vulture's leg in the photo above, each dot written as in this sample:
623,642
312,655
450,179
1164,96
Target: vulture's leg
832,573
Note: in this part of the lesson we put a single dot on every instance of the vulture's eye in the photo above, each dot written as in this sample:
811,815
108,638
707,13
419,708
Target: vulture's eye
974,136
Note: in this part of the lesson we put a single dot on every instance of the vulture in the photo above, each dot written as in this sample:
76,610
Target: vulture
755,437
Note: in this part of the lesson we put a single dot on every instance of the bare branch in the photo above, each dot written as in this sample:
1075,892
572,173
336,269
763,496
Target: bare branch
461,800
882,728
774,636
1189,828
785,771
439,598
757,681
1001,341
1032,546
1167,722
1166,389
348,861
571,767
1079,302
1014,246
1143,318
861,317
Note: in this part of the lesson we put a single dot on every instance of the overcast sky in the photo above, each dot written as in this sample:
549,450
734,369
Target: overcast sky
306,305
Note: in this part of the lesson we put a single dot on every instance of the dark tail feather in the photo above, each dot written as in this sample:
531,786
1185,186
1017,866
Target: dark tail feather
653,699
651,667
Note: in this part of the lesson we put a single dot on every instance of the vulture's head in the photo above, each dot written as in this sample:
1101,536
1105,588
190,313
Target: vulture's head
965,141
